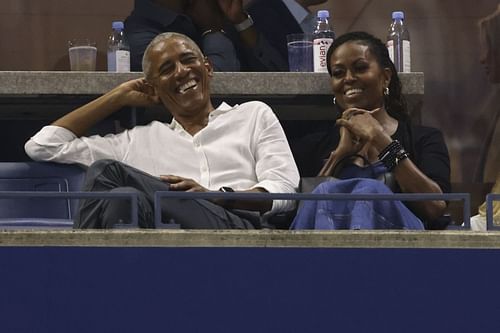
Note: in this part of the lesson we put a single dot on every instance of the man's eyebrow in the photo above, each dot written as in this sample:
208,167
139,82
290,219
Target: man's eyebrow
183,55
188,53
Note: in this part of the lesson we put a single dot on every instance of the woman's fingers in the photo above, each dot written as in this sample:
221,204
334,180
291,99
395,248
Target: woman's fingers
349,113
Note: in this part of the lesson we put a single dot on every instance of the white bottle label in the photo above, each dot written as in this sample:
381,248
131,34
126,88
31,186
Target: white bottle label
320,49
390,48
122,61
406,56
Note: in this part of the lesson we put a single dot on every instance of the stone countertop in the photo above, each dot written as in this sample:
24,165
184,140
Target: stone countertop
33,83
257,238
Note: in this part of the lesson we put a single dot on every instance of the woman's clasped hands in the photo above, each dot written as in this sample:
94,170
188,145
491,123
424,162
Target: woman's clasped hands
358,128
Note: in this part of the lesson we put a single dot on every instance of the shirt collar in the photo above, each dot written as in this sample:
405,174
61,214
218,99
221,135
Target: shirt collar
299,12
221,109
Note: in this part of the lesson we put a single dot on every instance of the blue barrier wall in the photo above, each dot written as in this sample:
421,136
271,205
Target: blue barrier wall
112,289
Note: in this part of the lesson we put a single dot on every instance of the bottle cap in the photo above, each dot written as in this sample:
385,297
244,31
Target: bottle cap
398,15
323,14
117,25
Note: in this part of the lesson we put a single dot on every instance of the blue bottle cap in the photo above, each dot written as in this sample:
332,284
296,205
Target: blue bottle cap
398,15
117,25
323,14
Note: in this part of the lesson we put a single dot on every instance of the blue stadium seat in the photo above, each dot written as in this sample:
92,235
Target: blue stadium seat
36,177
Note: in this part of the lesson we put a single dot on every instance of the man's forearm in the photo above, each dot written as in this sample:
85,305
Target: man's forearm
82,119
261,206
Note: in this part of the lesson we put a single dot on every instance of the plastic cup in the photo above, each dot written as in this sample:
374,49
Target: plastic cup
82,55
300,52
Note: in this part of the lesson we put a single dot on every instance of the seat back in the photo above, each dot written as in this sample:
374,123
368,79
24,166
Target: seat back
39,176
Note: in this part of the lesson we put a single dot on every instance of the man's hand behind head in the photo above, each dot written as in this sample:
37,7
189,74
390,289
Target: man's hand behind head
136,93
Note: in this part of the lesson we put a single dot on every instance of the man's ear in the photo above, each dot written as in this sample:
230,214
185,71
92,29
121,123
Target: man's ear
208,66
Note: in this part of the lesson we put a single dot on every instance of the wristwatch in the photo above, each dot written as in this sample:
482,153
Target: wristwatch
226,189
245,24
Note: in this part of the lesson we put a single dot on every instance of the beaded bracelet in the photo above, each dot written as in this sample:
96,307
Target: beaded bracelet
391,155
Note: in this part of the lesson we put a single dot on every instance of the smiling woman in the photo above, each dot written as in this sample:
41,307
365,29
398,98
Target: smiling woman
373,137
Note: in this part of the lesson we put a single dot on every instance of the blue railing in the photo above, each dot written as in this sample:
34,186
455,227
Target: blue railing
78,195
465,197
489,211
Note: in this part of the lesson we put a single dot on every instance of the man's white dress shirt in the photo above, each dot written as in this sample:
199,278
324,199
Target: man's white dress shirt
241,147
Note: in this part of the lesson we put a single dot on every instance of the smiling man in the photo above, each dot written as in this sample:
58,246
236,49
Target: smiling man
228,148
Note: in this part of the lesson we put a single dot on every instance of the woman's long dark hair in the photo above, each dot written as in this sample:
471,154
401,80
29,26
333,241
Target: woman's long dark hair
395,103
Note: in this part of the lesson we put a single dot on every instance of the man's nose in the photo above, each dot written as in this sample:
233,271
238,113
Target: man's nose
181,69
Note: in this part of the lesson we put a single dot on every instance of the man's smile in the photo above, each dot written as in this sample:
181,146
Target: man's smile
183,88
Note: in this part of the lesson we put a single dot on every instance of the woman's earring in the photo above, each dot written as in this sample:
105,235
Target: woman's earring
386,91
334,101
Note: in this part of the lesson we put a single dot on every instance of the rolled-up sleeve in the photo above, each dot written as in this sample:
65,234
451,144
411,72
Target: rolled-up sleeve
57,144
275,167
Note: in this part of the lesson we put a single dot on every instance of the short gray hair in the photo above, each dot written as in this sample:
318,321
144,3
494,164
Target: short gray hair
146,62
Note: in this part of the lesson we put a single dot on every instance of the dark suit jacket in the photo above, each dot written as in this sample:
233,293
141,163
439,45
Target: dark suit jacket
147,20
273,19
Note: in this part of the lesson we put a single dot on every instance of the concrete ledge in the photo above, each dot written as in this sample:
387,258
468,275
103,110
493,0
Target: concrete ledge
258,238
23,84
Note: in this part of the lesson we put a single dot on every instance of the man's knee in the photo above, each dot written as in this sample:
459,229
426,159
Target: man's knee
104,172
101,166
118,211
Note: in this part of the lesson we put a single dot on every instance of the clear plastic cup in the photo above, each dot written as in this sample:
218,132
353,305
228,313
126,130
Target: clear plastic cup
300,52
82,55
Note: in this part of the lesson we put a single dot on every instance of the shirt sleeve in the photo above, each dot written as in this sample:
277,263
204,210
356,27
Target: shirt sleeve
221,52
434,160
57,144
275,167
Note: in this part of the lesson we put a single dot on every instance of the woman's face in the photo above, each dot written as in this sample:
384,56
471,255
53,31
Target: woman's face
357,80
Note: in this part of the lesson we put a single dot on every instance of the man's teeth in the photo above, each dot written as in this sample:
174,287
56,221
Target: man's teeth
187,85
351,92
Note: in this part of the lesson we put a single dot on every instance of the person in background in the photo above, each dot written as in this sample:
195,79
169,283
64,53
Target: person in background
373,138
228,148
278,18
489,36
221,28
488,169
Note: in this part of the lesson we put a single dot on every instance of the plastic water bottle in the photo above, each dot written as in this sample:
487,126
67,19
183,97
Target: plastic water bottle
118,50
398,43
323,38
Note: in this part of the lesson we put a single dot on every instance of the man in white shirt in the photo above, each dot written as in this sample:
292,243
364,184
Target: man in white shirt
240,148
